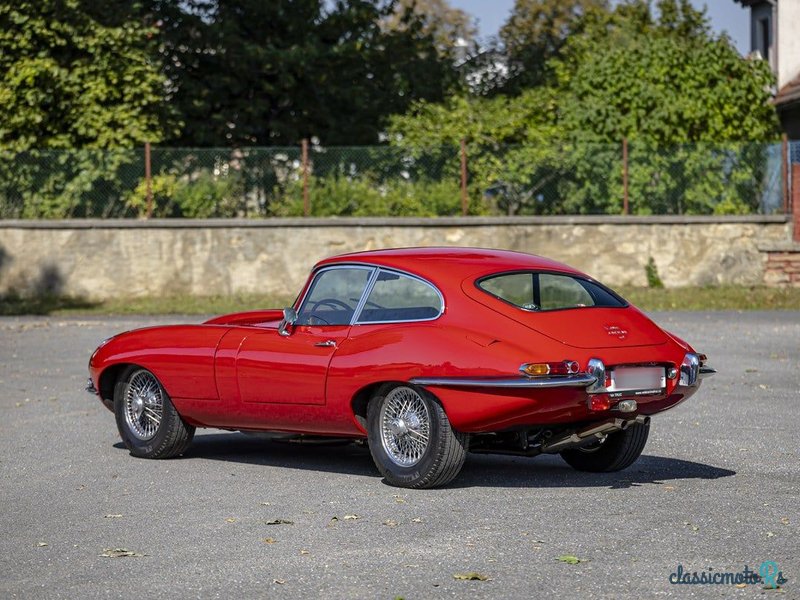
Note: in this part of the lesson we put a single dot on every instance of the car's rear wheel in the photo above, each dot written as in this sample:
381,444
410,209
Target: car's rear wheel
411,440
147,421
616,452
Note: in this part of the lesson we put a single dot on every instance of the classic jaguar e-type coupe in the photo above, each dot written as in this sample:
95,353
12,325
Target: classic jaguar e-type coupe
427,353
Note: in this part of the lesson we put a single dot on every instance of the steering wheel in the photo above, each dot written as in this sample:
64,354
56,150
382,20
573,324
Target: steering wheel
332,302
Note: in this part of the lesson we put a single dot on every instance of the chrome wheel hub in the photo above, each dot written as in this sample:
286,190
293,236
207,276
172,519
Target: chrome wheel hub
143,405
405,426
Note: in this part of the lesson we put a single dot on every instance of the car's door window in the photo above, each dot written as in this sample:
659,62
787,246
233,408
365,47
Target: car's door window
333,296
400,297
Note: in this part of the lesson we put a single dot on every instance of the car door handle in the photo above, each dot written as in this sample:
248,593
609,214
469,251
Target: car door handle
326,344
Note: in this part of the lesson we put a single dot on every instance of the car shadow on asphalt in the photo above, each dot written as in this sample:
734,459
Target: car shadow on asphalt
480,470
549,471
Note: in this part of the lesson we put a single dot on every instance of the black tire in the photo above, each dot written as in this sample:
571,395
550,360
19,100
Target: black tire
138,395
619,451
427,464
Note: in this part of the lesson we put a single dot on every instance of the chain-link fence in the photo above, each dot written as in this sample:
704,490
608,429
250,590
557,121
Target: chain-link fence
309,180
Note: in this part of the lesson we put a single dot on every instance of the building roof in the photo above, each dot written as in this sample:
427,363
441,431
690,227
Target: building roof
788,94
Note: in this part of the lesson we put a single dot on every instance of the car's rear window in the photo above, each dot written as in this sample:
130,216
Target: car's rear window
534,290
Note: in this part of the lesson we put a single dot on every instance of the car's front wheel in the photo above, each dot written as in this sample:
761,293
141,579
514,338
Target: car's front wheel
616,452
147,421
411,440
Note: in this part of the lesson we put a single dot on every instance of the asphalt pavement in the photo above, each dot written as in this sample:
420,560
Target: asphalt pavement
716,490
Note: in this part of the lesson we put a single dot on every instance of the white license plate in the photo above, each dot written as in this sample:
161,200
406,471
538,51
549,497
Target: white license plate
637,378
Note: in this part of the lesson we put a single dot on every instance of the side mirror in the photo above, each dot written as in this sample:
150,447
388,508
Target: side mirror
289,318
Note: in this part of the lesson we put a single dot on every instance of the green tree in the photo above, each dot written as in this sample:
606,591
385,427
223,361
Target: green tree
535,34
686,101
66,81
514,157
249,72
452,29
70,82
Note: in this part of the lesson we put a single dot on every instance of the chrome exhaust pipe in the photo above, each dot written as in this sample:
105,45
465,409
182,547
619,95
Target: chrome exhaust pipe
590,433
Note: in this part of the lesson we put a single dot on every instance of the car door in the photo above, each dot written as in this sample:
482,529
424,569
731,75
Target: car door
293,368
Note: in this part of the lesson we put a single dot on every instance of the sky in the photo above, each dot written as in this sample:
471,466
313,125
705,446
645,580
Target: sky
725,15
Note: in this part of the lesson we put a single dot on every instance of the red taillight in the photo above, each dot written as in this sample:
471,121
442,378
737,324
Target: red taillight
599,402
564,367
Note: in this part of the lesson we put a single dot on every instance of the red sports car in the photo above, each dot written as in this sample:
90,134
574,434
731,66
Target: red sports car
427,353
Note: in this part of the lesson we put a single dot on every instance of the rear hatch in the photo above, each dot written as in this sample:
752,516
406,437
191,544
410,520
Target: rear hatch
592,327
579,326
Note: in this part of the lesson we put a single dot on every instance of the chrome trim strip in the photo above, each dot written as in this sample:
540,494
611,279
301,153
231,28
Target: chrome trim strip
365,294
555,381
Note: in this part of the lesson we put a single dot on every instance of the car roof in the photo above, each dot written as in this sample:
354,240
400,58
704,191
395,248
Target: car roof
448,263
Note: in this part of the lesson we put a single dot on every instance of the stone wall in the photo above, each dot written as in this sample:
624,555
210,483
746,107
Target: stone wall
103,259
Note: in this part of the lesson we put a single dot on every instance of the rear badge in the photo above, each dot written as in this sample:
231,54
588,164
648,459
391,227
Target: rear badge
615,331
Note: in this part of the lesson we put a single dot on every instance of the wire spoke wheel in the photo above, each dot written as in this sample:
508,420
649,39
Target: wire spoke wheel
143,404
405,426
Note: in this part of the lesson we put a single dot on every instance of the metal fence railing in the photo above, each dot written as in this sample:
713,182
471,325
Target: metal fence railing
625,178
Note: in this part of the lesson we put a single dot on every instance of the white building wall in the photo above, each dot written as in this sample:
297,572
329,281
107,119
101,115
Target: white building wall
788,41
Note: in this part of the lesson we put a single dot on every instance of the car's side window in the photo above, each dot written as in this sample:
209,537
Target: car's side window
334,296
399,297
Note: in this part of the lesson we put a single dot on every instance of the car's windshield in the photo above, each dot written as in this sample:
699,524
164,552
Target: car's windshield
535,291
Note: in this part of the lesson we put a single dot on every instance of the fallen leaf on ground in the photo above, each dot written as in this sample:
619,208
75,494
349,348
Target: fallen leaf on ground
119,553
390,523
279,581
416,520
270,541
333,521
42,544
351,517
279,522
471,576
399,499
231,520
571,559
785,520
304,552
113,516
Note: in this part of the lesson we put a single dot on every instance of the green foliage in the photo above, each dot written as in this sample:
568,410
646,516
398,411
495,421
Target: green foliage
363,196
66,81
256,73
58,184
535,34
684,98
513,159
665,90
200,196
651,271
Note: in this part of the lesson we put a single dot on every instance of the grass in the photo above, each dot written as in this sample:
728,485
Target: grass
713,298
649,299
167,305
